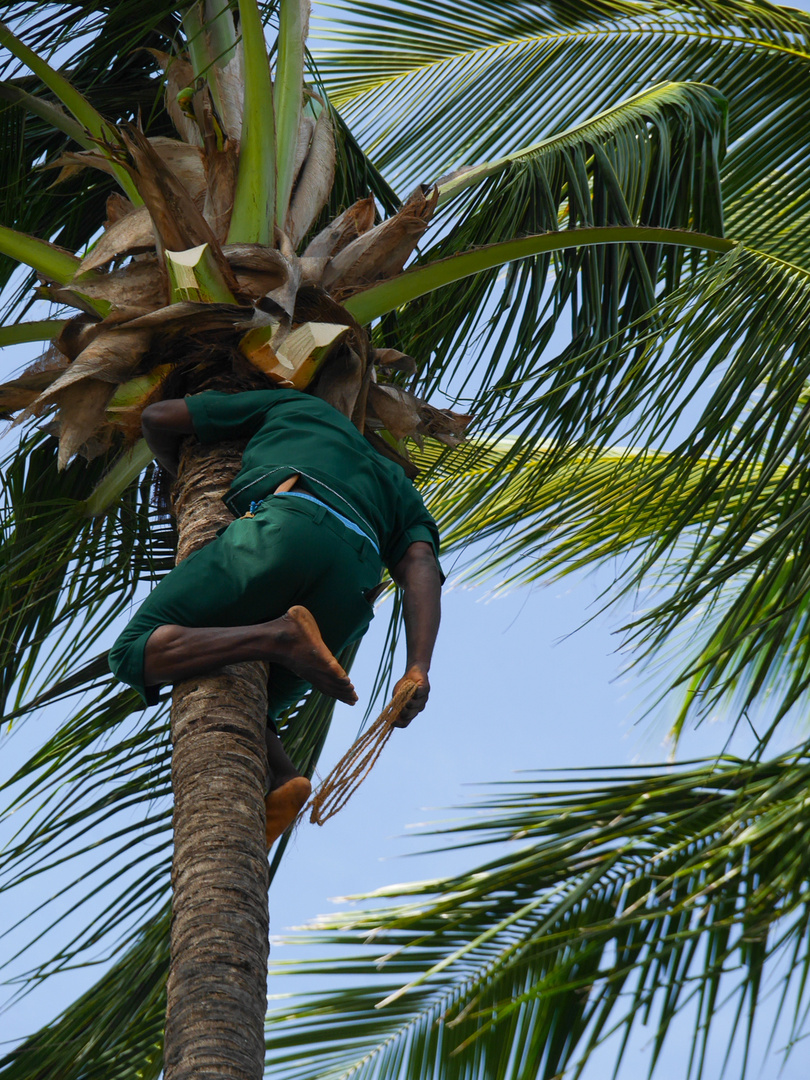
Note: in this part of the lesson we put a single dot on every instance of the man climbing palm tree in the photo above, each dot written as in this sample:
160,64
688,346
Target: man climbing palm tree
291,580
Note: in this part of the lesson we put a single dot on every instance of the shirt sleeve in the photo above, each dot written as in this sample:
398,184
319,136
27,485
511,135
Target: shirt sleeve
418,526
217,416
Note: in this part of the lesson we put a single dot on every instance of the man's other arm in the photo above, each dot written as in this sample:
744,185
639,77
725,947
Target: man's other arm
417,573
165,424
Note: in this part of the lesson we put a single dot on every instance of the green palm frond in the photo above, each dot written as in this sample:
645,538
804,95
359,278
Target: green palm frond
44,590
113,70
99,807
459,83
651,160
532,525
619,900
740,331
66,580
503,465
91,809
715,521
112,1032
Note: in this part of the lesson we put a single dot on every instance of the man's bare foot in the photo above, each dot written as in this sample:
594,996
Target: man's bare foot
297,644
283,805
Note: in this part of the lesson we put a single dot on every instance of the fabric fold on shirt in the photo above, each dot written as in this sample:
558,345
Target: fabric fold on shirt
292,432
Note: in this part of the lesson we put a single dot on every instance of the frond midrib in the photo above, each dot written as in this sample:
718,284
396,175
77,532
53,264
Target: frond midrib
344,97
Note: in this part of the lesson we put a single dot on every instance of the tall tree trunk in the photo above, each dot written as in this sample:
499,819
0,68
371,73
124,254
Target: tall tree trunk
219,937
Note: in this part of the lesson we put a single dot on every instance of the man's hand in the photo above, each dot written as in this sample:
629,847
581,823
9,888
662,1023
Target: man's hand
417,574
419,675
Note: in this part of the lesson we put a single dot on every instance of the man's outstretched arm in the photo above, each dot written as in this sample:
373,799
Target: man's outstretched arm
165,424
417,573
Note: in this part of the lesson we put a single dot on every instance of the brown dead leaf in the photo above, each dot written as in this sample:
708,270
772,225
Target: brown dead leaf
354,222
16,395
183,160
221,160
118,206
178,222
220,169
255,286
407,416
19,393
99,444
394,360
306,126
114,348
76,334
383,251
387,451
360,410
111,358
129,234
312,270
140,284
340,381
179,75
259,269
282,299
60,295
192,317
396,410
82,412
73,161
311,193
52,361
67,172
444,425
230,83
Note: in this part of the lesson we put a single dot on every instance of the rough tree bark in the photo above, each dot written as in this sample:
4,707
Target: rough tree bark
219,937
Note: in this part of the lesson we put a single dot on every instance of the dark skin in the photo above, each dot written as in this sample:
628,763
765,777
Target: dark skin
174,653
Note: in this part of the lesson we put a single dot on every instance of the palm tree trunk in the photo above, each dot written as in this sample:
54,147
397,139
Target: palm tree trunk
219,935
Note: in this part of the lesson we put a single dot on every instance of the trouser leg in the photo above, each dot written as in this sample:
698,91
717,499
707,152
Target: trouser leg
253,573
174,652
281,768
293,641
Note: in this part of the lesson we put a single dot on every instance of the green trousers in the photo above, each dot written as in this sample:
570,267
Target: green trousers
292,552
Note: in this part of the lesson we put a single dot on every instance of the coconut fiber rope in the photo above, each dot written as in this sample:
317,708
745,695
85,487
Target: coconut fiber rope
355,765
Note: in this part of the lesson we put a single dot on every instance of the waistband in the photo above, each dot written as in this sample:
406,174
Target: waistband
311,498
349,524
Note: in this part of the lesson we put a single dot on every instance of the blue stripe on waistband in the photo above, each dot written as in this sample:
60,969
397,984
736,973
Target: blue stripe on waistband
349,524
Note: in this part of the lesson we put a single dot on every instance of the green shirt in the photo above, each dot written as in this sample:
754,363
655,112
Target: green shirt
292,432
